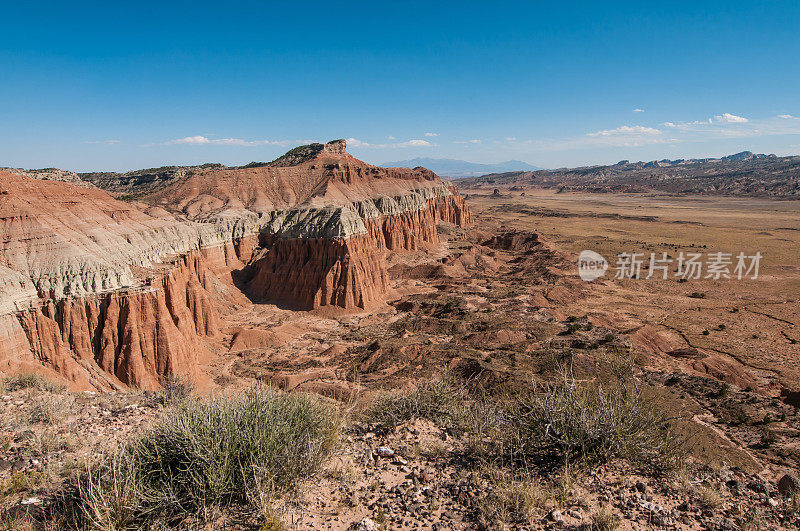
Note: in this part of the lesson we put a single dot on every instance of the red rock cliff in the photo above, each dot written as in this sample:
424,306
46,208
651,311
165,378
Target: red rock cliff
89,291
329,220
348,271
130,337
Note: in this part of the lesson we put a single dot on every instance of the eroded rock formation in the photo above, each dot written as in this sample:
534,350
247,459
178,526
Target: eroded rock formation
107,293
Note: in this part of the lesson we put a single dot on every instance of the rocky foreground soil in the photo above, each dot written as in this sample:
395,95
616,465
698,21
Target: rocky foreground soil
417,475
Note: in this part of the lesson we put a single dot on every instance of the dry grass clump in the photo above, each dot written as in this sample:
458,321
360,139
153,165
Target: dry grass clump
34,381
754,520
708,497
21,481
437,400
227,451
449,402
591,422
511,499
604,520
175,389
50,408
567,422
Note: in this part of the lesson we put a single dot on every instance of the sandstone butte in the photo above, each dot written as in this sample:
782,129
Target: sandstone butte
106,293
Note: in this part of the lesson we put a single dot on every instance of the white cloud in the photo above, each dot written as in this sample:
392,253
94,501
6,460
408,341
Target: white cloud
413,143
431,134
511,139
191,140
686,126
109,142
354,142
728,125
729,118
739,133
390,137
638,110
200,140
628,130
623,136
725,126
473,141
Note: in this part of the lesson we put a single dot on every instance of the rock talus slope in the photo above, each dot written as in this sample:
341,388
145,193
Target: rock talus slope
107,293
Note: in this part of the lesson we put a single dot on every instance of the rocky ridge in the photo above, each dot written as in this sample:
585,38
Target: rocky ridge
49,174
743,174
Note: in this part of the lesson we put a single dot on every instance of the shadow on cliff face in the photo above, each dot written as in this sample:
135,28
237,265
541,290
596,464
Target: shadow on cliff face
241,278
264,281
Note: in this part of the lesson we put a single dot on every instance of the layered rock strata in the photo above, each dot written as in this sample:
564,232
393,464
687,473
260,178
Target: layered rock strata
88,290
326,221
342,263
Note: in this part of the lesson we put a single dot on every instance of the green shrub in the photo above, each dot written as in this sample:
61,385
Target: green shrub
724,390
209,453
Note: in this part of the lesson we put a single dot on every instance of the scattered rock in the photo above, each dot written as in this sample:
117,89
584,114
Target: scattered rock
367,524
771,502
384,451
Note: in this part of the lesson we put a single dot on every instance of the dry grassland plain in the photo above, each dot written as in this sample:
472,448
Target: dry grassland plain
753,322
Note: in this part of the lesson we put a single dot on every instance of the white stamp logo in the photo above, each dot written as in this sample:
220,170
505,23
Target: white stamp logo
591,265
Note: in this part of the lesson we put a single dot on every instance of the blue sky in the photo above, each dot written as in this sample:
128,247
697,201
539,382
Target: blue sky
90,86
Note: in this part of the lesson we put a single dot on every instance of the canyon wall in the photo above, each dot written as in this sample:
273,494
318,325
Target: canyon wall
347,270
126,337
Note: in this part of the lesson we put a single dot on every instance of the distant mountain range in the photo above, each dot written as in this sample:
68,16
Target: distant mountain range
455,169
744,174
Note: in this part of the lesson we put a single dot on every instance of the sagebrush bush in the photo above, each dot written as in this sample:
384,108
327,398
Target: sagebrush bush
590,422
30,381
208,453
437,399
50,408
566,421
